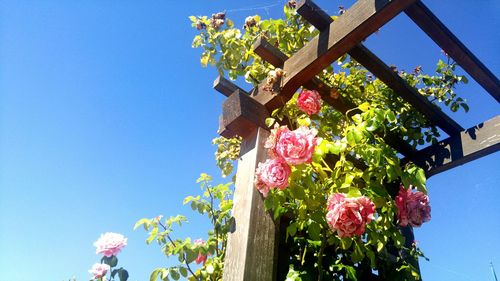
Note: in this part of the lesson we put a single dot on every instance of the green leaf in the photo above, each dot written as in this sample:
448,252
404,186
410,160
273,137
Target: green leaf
351,273
291,230
314,230
111,261
380,246
123,274
364,106
421,180
141,222
183,271
154,274
174,274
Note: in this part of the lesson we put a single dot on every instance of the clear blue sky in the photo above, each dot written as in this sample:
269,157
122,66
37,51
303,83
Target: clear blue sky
106,117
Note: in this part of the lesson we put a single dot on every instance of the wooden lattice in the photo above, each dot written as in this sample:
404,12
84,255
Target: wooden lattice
254,244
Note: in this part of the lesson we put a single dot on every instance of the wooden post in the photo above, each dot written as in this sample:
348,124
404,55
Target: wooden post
251,251
252,243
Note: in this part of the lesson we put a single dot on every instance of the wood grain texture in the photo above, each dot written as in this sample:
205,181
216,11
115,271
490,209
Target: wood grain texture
438,32
268,52
357,23
226,87
252,246
241,114
471,144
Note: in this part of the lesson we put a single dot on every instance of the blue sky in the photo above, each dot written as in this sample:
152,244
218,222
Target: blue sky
106,117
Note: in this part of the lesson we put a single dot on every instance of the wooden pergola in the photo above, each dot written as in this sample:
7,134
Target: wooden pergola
253,246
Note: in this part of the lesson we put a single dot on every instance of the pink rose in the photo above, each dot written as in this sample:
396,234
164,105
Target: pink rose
273,173
413,207
99,270
349,216
297,147
110,244
272,140
309,102
201,259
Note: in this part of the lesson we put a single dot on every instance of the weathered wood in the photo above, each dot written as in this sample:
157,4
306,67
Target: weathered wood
252,246
241,114
458,149
226,87
357,23
438,32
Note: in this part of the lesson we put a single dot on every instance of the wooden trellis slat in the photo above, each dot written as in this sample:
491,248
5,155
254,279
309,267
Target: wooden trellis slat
253,242
410,94
226,87
438,32
321,20
329,95
458,149
357,23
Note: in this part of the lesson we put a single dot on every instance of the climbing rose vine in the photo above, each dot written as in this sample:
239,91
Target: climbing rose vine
330,177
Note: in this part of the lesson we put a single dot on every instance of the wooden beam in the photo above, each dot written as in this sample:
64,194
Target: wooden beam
458,149
330,96
252,245
438,32
268,52
314,15
409,93
226,87
321,20
357,23
241,114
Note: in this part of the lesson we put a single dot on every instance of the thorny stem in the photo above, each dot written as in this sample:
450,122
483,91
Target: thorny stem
320,257
173,243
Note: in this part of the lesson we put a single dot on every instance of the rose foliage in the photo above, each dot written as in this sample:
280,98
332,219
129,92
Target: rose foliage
342,191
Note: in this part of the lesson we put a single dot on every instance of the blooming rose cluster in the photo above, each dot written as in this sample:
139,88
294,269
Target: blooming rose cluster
201,257
285,148
349,216
413,207
99,270
309,101
110,244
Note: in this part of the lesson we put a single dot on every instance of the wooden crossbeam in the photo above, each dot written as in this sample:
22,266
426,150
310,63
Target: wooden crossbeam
361,20
330,96
409,93
458,149
438,32
226,87
241,114
357,23
321,20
